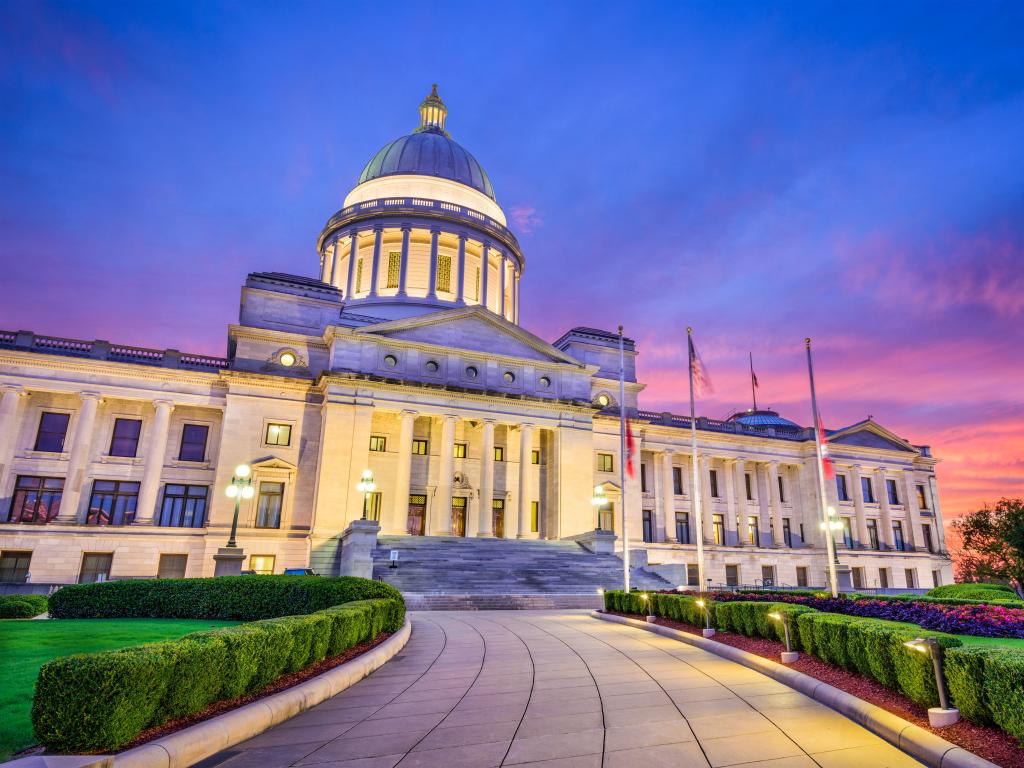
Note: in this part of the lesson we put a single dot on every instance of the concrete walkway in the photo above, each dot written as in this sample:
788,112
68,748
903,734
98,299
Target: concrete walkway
561,690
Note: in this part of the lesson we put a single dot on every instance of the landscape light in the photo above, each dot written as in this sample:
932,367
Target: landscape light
943,715
789,655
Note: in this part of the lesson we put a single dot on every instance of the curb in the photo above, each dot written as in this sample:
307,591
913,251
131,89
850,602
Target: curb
198,742
920,744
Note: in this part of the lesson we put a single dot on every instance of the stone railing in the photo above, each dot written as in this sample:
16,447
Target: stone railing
716,425
104,350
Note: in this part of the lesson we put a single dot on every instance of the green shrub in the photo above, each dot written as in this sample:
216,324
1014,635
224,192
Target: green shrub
969,591
101,701
987,685
966,677
676,607
752,619
22,606
240,598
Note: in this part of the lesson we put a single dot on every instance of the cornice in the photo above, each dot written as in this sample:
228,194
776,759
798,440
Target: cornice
91,366
273,335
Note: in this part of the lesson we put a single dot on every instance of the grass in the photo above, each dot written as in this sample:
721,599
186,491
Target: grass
26,645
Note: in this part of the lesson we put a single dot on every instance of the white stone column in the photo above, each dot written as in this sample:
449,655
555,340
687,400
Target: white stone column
912,523
774,506
525,451
155,451
706,502
667,500
10,397
487,480
403,272
445,470
884,535
501,284
460,294
331,262
729,533
761,482
858,505
400,508
378,237
79,457
940,529
485,272
432,284
742,511
352,254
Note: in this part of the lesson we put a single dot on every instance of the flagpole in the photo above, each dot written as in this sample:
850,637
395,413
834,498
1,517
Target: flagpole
698,512
830,543
753,384
622,459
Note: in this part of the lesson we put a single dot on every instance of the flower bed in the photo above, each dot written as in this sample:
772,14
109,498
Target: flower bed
102,701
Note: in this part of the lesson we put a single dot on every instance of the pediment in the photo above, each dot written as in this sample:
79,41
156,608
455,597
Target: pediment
868,434
472,329
273,462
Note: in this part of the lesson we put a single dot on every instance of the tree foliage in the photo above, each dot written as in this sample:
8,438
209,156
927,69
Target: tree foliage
992,544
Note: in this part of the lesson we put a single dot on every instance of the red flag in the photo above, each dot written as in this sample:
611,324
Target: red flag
826,460
630,449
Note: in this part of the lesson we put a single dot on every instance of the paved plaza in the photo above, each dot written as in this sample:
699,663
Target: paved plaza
562,690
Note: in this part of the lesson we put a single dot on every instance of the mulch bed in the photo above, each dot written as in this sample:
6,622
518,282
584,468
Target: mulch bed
990,743
281,684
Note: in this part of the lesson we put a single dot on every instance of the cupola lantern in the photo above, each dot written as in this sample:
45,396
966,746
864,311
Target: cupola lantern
433,113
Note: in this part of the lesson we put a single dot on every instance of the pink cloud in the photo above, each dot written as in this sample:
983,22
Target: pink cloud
525,218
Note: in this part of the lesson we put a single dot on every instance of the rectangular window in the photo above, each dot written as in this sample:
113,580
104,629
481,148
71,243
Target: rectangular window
460,451
873,534
95,567
801,576
858,577
373,505
677,481
53,428
535,457
499,453
749,482
682,527
378,444
643,478
193,442
359,275
268,505
444,273
262,565
606,517
419,447
890,489
883,578
782,490
36,499
692,575
112,503
911,576
605,462
841,489
184,506
767,575
847,533
718,526
648,530
279,434
171,567
14,566
926,530
125,440
714,483
534,516
897,536
478,284
394,268
922,498
868,490
787,532
936,578
732,575
754,524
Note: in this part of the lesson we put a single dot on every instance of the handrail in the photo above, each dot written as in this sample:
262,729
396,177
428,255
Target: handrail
104,350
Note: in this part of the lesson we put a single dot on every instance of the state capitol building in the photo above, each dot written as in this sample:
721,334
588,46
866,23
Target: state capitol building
403,355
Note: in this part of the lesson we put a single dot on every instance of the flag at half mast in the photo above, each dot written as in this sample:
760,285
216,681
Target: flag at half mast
701,378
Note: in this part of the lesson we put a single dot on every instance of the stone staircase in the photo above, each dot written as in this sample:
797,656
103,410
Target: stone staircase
451,573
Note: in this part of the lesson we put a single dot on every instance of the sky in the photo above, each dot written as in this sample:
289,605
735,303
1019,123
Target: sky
852,172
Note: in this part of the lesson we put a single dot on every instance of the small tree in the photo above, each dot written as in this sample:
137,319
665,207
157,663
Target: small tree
992,544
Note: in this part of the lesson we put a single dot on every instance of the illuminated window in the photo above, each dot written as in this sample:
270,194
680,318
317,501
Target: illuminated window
268,505
499,453
535,457
359,275
460,450
605,462
394,268
419,447
444,273
279,434
534,516
478,283
378,444
718,526
262,564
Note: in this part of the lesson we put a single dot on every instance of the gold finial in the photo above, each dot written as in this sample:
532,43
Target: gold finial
620,330
807,341
689,330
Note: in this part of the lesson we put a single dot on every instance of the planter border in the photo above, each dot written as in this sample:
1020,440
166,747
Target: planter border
917,742
202,740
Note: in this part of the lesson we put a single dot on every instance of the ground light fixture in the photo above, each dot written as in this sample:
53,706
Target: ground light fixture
788,655
703,605
944,714
240,488
366,486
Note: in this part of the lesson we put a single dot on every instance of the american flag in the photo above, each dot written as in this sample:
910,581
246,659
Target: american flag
826,460
701,379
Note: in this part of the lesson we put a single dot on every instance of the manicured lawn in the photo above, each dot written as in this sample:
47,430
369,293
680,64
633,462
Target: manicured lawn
993,642
26,645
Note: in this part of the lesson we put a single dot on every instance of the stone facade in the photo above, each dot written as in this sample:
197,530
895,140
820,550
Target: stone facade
470,425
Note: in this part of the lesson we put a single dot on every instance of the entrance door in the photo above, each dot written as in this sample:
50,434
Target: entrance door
458,516
499,518
416,521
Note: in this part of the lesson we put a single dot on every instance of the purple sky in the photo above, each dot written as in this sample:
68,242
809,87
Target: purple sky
850,172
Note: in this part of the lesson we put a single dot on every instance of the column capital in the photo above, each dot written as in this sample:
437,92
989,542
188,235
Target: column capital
13,389
408,412
378,227
164,403
526,425
406,227
90,396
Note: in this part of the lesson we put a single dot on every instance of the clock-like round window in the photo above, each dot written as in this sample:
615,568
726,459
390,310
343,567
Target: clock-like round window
471,372
431,366
287,359
603,400
544,382
390,361
509,377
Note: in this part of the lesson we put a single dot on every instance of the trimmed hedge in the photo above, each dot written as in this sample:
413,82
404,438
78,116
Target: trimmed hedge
752,620
988,592
101,701
238,598
22,606
987,685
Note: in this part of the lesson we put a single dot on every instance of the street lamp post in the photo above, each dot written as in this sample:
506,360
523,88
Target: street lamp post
240,488
367,486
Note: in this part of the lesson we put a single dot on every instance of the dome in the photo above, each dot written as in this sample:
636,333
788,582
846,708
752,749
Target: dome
764,419
429,151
